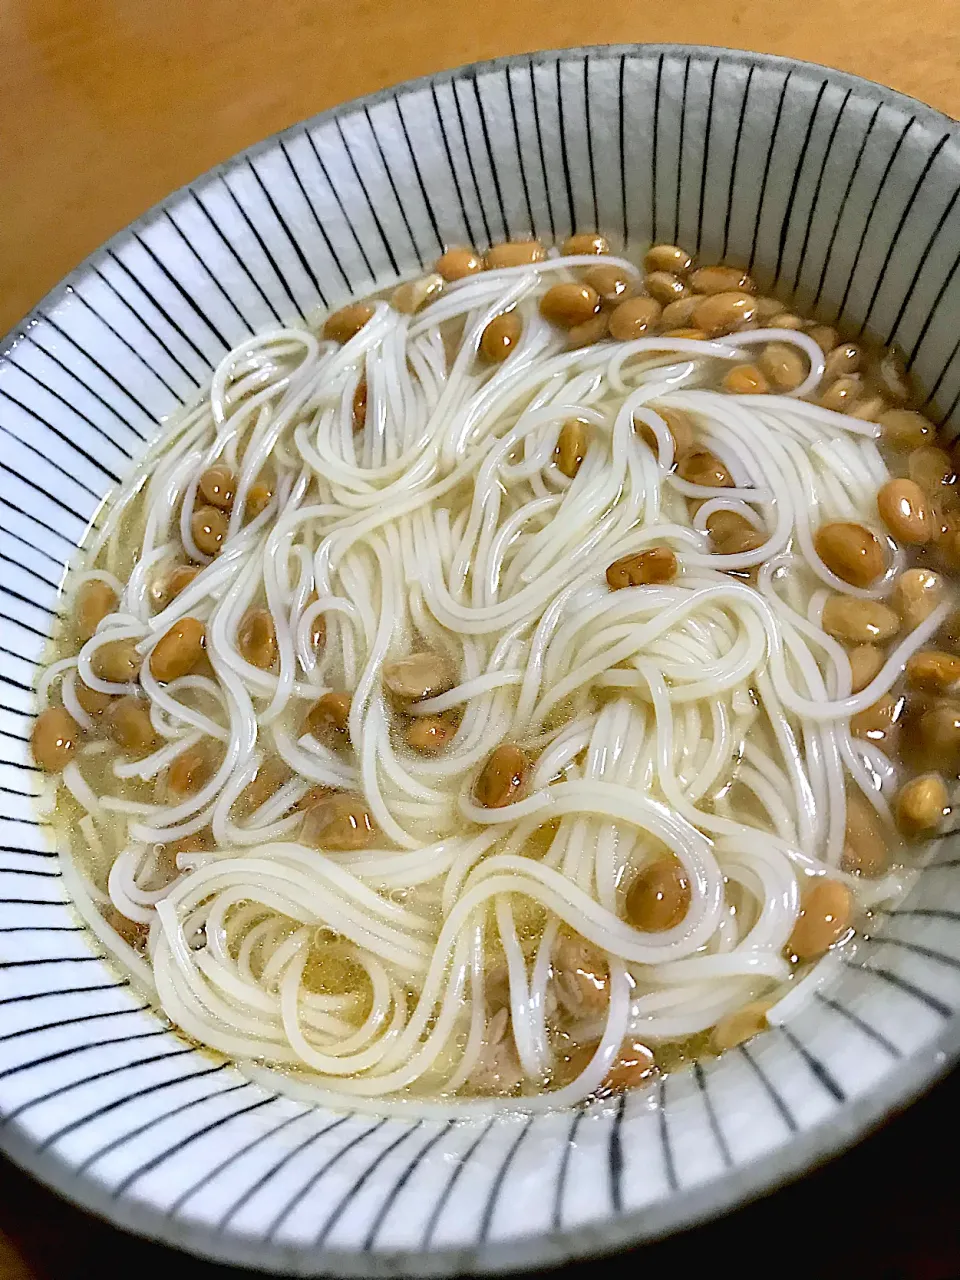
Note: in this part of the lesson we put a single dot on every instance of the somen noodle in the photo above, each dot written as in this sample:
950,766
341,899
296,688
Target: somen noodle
435,806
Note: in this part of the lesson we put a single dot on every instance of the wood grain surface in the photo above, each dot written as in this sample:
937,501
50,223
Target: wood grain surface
107,105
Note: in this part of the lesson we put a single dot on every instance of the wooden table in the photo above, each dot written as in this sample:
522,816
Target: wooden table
106,105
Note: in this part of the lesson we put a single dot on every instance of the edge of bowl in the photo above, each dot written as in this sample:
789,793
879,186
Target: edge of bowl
683,1210
745,57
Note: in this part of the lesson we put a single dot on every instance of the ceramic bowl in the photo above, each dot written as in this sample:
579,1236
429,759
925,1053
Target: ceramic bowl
833,191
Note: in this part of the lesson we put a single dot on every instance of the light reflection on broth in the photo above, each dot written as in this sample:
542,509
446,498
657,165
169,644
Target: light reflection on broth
460,702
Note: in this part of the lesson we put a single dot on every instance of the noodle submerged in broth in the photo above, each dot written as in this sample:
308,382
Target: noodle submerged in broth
513,687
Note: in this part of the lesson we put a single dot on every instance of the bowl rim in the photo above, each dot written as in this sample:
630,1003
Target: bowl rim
701,52
737,1187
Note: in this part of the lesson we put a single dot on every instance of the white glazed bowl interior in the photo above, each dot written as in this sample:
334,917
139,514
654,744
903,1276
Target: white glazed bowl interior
833,191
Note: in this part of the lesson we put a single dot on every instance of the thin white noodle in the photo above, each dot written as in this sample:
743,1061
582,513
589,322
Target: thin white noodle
701,717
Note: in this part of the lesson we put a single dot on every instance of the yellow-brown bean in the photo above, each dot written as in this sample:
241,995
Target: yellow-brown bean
128,724
209,528
946,525
568,305
329,716
945,510
721,279
880,723
643,568
117,661
856,621
188,772
571,447
312,797
346,323
724,312
359,406
502,777
916,593
920,805
318,632
413,295
692,335
648,436
903,509
257,638
865,850
824,336
171,584
866,661
868,409
701,466
500,337
949,633
612,284
178,650
680,427
682,430
218,485
93,701
745,380
664,286
514,253
843,360
678,315
430,734
667,257
583,243
767,308
632,318
340,822
947,540
659,896
905,428
851,552
458,263
933,671
740,1026
842,395
54,738
783,364
785,320
95,600
931,468
723,524
581,972
592,330
269,778
418,676
938,734
732,533
633,1065
260,495
826,912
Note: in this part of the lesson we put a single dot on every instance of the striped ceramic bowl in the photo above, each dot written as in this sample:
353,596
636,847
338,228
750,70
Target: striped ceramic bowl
835,192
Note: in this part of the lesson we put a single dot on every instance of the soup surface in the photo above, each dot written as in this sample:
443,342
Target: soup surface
513,686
